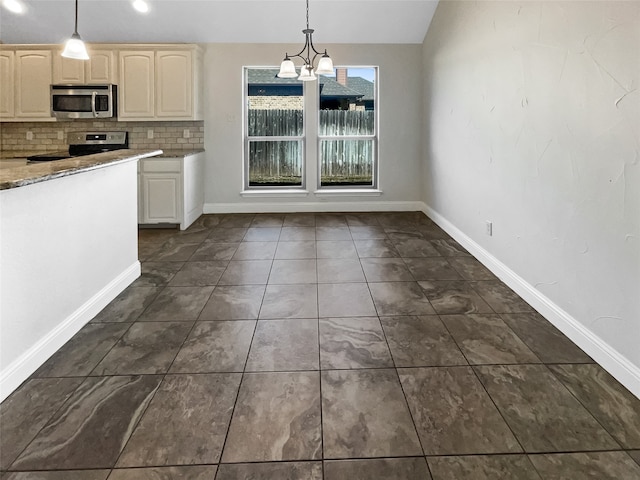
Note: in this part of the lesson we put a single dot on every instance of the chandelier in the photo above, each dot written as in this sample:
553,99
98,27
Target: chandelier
307,72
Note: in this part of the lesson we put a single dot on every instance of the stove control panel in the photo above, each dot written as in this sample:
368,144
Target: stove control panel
97,138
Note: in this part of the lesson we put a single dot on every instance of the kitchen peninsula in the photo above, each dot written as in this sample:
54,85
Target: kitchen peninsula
68,246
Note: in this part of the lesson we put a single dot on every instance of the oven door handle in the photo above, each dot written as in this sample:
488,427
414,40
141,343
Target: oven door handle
94,96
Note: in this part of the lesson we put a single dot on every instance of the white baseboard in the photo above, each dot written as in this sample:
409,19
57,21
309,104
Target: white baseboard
610,359
22,367
321,206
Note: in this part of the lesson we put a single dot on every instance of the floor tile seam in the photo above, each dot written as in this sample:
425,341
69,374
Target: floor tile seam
470,285
404,394
112,347
320,382
324,460
587,409
235,403
160,292
484,388
60,408
157,389
540,362
46,423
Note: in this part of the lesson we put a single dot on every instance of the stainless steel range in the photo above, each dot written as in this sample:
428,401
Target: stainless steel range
86,143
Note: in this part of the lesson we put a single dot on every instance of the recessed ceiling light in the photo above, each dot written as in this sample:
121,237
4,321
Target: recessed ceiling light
141,6
15,6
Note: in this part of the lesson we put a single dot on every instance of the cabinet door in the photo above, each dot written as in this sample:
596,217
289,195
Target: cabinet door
136,90
100,68
67,70
174,94
33,79
161,197
7,84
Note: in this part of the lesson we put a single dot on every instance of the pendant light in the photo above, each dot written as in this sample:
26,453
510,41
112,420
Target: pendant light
75,47
307,73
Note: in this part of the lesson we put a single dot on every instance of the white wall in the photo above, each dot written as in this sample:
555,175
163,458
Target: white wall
532,121
68,247
399,130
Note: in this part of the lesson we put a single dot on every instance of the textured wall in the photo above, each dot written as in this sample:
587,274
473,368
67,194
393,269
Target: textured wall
166,135
532,121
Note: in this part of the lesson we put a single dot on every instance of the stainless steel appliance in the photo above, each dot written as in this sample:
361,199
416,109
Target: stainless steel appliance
86,143
84,101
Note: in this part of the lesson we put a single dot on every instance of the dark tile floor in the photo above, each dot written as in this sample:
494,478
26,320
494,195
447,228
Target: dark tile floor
326,346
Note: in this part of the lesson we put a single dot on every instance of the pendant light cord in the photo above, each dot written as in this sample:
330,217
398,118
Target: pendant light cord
307,14
75,30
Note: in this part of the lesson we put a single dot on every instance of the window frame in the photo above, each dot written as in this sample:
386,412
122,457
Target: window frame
247,139
374,137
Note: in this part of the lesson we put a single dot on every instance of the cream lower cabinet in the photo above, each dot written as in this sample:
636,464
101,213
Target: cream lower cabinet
171,190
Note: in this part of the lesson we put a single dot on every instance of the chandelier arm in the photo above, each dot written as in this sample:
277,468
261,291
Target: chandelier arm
304,49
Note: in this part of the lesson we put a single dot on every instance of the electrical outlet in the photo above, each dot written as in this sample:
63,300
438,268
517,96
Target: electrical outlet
186,133
489,228
150,133
60,135
29,135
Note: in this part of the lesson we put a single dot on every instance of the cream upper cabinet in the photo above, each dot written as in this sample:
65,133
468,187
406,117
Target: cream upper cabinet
136,88
67,70
158,82
162,84
7,84
101,67
33,78
174,81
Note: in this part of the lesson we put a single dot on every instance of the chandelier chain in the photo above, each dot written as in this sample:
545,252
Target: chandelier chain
307,14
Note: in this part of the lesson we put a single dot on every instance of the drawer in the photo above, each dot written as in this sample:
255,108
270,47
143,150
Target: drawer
160,165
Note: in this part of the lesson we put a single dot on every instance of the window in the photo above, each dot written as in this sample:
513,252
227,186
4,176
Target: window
343,149
347,128
274,130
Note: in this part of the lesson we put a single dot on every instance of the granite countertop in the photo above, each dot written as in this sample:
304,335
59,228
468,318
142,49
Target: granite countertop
180,153
11,154
41,172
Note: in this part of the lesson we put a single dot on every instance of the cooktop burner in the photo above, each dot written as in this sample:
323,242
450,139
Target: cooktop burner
47,157
86,143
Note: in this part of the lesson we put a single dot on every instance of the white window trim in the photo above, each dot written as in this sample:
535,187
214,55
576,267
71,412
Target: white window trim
310,136
275,190
349,190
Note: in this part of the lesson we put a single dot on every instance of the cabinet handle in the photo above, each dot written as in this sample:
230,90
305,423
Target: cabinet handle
93,104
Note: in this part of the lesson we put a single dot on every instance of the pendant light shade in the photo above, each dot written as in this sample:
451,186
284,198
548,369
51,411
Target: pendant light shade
75,47
287,69
306,73
325,65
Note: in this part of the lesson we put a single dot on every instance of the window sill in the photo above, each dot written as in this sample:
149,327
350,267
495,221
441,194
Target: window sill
274,193
348,192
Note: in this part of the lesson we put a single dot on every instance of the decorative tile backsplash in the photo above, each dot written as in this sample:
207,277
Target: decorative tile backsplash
166,135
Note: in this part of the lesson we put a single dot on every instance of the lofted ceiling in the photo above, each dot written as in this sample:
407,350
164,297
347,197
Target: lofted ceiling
225,21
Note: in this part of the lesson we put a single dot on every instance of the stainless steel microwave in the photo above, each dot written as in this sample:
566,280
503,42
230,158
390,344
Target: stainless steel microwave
84,101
